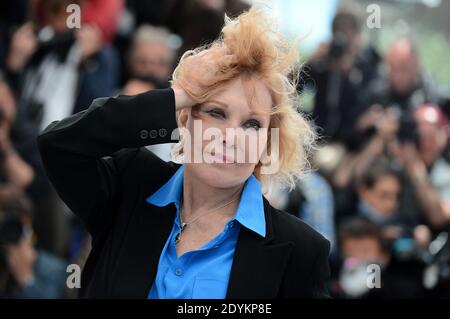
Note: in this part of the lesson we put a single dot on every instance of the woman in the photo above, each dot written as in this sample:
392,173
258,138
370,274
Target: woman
202,229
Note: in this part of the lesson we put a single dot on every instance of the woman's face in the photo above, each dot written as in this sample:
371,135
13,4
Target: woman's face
226,136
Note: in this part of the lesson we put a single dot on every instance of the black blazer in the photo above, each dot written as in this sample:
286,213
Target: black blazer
96,161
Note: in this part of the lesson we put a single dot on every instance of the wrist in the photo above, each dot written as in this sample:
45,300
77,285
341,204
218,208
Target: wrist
418,174
15,62
182,99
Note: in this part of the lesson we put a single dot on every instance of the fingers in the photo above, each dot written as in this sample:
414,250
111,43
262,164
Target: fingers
201,70
215,53
25,29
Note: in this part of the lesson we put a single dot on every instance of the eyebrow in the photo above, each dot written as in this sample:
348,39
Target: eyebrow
217,102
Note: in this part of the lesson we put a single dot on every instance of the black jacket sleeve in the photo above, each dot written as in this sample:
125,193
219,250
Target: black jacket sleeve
78,152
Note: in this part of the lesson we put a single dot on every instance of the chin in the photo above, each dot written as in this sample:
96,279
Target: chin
221,175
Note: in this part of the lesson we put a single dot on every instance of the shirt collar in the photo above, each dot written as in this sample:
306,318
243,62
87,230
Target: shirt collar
250,211
170,192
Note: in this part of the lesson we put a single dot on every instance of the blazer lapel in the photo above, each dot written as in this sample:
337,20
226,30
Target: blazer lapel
258,264
136,269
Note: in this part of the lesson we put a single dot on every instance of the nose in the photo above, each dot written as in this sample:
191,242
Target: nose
229,139
229,133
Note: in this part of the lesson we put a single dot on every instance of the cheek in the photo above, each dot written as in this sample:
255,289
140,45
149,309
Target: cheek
253,145
202,132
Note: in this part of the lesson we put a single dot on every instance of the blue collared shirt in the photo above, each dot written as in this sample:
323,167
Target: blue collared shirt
203,273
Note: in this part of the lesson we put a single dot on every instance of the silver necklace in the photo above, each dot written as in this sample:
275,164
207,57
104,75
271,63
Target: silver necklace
182,226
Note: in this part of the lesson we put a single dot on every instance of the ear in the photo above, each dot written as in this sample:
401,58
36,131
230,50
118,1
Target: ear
183,115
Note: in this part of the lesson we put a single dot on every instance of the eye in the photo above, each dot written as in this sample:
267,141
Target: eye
216,113
254,124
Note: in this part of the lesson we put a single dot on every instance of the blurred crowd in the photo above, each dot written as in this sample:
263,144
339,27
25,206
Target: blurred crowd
381,188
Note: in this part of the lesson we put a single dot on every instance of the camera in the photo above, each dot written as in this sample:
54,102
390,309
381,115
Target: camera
339,46
407,131
437,271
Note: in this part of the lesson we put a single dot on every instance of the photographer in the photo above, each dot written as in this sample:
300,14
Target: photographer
426,167
338,71
24,271
363,245
406,84
417,143
15,173
404,88
61,69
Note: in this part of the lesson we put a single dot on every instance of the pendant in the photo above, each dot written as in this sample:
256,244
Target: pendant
178,236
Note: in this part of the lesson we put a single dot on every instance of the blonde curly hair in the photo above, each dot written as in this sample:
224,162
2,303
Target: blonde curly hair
259,49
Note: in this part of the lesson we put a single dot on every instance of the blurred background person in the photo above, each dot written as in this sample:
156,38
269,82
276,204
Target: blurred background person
151,62
26,272
416,148
151,56
427,167
58,70
362,244
378,195
403,87
337,71
406,85
312,201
